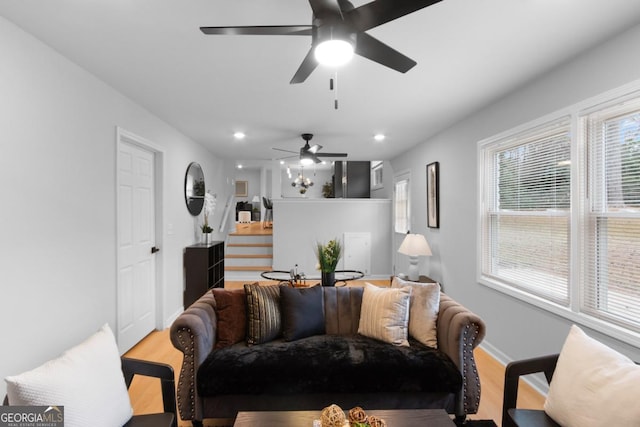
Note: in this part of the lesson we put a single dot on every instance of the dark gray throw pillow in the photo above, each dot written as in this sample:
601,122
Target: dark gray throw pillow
302,312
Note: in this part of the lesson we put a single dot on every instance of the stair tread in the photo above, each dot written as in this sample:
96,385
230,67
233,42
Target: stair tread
248,255
249,268
250,234
250,245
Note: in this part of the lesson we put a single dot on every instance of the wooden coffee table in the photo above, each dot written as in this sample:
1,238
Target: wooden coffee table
393,417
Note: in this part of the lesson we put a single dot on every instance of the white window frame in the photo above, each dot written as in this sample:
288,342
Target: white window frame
534,268
575,310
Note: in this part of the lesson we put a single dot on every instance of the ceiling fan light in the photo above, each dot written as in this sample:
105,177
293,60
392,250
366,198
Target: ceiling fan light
334,53
306,161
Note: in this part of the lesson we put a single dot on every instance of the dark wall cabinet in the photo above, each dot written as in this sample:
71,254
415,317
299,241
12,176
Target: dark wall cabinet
352,179
204,269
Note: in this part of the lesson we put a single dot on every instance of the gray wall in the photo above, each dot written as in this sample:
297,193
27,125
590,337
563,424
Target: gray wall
58,187
515,329
299,224
252,176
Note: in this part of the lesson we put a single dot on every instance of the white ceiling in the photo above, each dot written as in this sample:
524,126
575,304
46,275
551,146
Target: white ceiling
469,53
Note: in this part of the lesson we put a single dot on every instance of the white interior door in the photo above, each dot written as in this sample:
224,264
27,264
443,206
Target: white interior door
136,303
401,218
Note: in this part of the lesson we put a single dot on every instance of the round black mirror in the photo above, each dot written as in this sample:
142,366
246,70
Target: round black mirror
194,189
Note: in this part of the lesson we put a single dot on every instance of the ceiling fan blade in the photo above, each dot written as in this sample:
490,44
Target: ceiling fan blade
286,151
373,49
314,148
378,12
331,155
323,9
261,30
309,64
316,159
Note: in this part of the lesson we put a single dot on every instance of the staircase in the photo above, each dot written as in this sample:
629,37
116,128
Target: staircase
249,252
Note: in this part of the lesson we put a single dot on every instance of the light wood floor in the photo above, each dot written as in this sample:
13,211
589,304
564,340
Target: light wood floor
253,228
157,347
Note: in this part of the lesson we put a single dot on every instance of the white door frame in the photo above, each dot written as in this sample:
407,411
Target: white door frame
124,136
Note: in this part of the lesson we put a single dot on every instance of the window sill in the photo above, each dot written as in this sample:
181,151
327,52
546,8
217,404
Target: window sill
614,331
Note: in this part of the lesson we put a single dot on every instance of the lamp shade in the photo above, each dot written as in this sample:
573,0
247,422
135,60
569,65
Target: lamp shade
415,245
255,199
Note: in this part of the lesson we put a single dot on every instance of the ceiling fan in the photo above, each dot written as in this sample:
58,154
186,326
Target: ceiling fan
310,153
339,27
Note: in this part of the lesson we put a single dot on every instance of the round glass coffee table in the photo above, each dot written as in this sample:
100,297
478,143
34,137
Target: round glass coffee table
300,279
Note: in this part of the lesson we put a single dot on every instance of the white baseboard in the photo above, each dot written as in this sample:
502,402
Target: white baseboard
537,381
173,317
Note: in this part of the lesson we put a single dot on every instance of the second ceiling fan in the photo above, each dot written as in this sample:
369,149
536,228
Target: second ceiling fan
337,23
310,154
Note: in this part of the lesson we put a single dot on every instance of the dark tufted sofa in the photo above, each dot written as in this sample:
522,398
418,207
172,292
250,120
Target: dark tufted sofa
210,386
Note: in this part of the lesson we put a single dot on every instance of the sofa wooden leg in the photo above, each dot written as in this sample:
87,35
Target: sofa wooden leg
196,423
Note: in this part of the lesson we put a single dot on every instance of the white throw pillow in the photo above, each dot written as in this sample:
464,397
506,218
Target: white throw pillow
86,379
593,385
423,310
384,314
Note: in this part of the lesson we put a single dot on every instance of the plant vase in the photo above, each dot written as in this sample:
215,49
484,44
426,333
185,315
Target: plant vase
328,278
206,238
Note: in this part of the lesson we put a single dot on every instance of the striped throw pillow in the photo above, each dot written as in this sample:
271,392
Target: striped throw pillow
263,313
384,314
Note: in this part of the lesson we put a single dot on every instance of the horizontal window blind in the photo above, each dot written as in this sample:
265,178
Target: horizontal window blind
526,218
611,270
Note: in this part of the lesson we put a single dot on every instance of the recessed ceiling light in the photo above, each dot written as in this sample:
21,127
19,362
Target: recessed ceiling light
239,135
239,166
282,162
379,137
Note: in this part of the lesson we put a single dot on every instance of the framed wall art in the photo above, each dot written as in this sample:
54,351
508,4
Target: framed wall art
241,188
433,195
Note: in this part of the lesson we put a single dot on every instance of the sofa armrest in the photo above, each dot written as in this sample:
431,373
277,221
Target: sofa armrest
459,332
194,334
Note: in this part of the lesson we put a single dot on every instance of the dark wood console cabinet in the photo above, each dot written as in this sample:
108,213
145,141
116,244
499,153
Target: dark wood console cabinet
204,269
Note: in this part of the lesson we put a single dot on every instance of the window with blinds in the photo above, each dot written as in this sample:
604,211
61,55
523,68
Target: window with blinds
401,206
531,212
526,211
611,267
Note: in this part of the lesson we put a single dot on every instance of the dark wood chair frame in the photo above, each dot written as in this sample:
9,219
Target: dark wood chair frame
513,417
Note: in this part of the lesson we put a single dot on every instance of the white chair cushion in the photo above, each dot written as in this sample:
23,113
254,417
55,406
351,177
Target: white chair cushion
384,314
86,379
593,385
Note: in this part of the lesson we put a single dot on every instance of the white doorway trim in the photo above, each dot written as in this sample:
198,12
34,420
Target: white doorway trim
125,137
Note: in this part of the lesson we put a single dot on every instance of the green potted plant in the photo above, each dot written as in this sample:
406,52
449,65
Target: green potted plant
327,190
328,256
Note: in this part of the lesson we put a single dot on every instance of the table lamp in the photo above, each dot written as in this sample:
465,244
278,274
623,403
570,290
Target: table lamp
414,245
